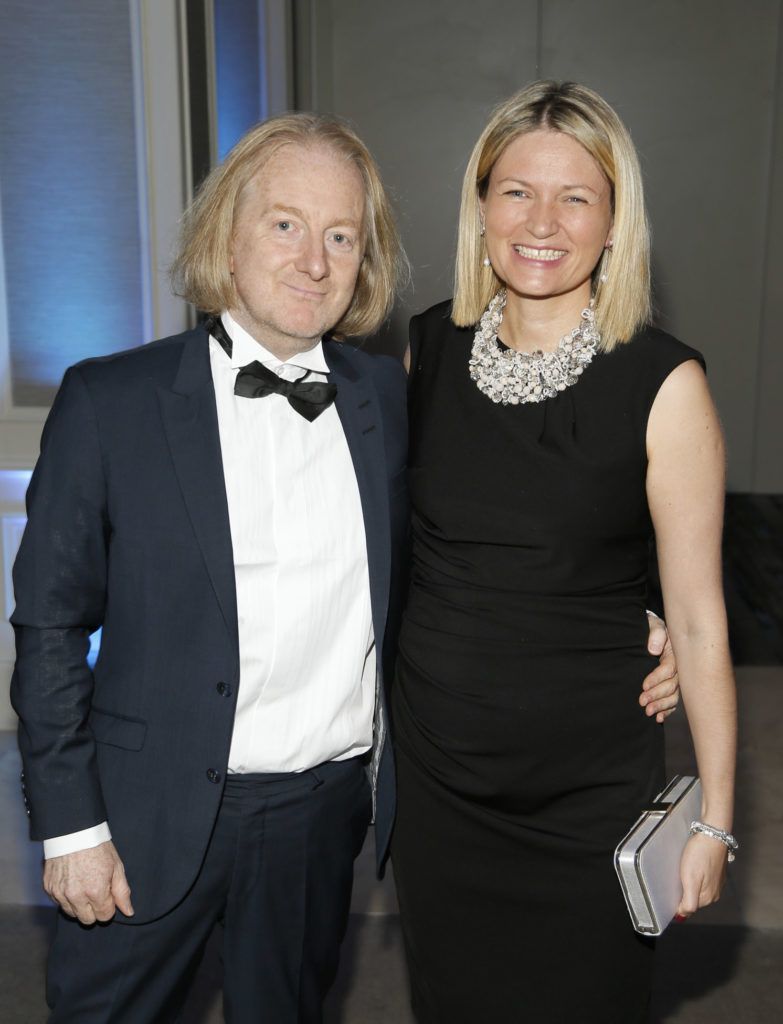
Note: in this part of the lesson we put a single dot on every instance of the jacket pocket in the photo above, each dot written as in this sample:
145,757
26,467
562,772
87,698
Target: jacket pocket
118,730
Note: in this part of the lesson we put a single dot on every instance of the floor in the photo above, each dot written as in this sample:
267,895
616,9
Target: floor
724,967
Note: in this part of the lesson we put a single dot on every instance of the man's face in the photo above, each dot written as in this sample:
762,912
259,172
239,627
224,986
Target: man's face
297,247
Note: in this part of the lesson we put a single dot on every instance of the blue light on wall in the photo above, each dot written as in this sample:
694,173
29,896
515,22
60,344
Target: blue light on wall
15,482
239,84
95,646
13,485
70,204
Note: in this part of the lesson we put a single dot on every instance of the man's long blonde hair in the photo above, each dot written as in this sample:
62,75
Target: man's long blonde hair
200,269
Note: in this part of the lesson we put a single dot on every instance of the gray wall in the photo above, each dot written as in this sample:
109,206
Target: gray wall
699,84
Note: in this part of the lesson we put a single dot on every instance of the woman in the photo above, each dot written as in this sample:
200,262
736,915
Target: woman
539,468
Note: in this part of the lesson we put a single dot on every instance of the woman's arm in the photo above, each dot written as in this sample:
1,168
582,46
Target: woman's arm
685,489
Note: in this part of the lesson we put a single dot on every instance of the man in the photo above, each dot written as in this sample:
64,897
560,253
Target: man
218,536
238,535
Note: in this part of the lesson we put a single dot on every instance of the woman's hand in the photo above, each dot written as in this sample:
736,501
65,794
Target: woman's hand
702,872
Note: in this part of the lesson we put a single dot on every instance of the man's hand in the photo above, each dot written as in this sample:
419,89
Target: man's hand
89,884
661,688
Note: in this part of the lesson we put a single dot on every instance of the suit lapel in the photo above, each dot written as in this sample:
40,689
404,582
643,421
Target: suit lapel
360,415
190,421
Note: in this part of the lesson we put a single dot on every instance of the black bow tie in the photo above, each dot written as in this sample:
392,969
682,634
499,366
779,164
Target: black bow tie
308,398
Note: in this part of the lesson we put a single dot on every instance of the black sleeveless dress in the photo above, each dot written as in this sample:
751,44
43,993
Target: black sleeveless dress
523,755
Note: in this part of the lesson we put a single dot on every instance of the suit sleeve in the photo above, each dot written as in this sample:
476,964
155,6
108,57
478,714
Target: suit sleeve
391,382
60,589
414,347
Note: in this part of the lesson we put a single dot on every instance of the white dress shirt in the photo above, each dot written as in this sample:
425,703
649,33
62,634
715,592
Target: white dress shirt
306,648
307,660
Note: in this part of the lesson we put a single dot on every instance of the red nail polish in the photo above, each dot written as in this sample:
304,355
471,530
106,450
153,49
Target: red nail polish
680,917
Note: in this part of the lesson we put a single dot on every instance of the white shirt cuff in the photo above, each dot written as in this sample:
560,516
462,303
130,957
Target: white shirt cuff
59,846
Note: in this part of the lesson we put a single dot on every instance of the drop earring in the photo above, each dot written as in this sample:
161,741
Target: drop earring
604,275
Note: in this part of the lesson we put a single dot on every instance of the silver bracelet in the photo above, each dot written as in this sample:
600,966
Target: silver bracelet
717,833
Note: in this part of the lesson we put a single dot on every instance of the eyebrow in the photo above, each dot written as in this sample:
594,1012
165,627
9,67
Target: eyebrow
520,181
279,208
588,188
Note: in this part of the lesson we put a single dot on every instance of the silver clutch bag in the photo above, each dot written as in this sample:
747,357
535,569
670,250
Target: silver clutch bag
647,860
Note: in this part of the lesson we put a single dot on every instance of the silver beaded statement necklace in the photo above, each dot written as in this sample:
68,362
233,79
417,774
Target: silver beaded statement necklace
512,377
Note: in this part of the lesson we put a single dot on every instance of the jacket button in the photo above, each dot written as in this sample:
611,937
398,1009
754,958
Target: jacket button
213,775
223,689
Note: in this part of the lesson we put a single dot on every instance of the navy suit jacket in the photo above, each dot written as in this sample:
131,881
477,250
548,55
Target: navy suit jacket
128,530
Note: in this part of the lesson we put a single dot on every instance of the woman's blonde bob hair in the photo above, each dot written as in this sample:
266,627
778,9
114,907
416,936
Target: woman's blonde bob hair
622,301
200,269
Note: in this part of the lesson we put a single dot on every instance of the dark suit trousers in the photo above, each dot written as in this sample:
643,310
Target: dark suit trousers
277,875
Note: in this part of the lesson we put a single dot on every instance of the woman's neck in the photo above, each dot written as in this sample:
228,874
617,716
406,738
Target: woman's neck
530,324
